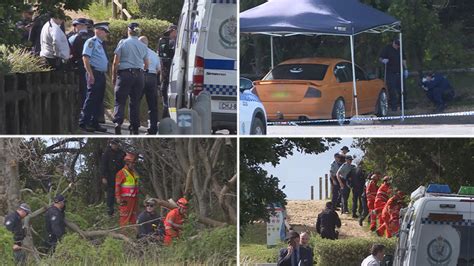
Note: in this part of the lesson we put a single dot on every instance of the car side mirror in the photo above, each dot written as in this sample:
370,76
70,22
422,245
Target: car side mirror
371,76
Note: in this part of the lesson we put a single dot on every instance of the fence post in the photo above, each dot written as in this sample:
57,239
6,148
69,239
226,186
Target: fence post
326,181
312,192
320,188
114,10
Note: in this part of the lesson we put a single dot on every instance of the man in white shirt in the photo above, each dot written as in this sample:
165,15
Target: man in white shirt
377,252
54,44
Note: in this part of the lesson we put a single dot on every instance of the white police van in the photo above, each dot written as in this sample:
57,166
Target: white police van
205,60
437,228
252,115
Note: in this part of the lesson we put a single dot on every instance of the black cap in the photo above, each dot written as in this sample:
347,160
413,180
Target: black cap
28,8
345,148
59,198
77,21
292,234
102,26
90,22
349,157
396,41
133,25
114,141
171,28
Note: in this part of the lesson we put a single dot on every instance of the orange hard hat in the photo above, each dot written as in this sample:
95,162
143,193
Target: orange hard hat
387,178
182,202
130,157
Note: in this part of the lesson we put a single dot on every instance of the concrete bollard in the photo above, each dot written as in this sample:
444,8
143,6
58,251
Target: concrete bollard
167,126
189,122
202,106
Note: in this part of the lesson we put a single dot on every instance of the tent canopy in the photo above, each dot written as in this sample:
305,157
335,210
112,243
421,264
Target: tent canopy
328,17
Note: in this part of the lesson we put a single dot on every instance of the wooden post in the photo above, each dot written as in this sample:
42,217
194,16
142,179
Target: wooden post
326,181
320,188
114,10
312,193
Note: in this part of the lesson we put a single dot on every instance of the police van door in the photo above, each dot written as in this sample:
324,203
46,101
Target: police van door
220,54
445,234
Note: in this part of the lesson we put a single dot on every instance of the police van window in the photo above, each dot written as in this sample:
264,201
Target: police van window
222,30
298,72
340,73
466,256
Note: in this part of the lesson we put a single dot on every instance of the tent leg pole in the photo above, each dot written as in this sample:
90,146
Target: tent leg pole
402,81
271,51
353,76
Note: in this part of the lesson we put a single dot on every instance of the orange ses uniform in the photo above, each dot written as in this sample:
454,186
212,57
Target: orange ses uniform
126,192
173,218
371,192
383,193
390,217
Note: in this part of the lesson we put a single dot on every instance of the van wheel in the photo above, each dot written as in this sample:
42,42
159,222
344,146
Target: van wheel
257,127
339,111
381,107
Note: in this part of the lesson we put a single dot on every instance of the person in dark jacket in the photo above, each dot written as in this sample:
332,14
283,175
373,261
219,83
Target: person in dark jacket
151,225
294,255
55,224
358,182
327,222
438,90
13,223
111,162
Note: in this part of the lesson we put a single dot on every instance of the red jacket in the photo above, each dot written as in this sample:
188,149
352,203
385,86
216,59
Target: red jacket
383,194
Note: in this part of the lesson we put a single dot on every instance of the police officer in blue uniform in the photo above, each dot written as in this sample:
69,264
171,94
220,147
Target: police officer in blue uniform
438,90
151,90
76,42
55,225
96,65
13,223
130,64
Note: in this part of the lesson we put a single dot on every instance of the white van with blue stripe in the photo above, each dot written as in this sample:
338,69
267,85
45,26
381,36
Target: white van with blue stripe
208,61
437,228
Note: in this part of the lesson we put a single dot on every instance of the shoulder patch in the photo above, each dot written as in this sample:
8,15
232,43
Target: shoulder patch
53,218
91,44
8,222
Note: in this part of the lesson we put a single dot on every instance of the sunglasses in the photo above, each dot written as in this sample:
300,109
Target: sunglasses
148,205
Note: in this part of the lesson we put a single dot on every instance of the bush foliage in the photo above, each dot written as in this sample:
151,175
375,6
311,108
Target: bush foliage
19,60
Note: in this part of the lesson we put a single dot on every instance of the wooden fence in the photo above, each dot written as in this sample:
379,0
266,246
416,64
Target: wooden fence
119,10
39,103
326,188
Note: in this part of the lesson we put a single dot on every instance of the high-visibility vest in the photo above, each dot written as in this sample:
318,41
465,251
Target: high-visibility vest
383,193
173,217
371,190
129,188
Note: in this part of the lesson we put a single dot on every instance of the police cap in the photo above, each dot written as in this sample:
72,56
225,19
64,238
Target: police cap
59,198
102,26
25,207
345,148
78,21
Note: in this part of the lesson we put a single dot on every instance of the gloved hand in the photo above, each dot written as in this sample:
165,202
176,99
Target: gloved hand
385,60
405,73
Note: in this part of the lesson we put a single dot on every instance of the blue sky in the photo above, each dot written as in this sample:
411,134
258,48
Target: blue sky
301,171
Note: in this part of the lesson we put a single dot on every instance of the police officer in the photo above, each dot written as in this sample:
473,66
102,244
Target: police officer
96,65
130,63
111,162
14,224
438,90
55,49
150,89
336,189
327,222
166,49
77,46
151,225
26,22
343,176
55,225
390,57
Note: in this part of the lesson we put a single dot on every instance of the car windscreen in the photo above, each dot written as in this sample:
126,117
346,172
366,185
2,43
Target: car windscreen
298,72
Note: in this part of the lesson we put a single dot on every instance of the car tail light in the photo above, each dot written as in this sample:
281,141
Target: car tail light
198,75
312,93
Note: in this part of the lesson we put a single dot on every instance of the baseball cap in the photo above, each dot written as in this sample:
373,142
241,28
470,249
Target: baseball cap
59,198
25,207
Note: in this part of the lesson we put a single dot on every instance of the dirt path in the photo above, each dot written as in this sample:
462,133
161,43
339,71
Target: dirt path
302,216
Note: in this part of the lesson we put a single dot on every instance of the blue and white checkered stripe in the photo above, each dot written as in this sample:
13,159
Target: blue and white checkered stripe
249,97
226,90
459,223
224,1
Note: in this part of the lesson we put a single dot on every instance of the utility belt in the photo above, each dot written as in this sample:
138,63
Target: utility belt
150,74
131,70
95,70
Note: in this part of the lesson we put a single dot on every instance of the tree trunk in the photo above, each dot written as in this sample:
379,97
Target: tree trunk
9,176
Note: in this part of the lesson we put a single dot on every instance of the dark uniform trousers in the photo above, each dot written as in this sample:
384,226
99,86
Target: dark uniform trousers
13,224
165,81
55,226
394,87
129,82
336,195
94,100
151,94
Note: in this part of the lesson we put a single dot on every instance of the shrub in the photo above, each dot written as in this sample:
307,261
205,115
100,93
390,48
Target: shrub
98,12
20,60
73,249
6,244
348,251
111,250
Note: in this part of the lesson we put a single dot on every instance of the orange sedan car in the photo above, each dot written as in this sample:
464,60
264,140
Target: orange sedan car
319,88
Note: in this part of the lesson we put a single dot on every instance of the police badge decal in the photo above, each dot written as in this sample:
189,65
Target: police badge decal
439,251
228,33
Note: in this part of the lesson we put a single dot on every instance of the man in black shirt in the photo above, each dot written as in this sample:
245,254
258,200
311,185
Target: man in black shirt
390,57
152,227
55,224
14,224
327,222
111,162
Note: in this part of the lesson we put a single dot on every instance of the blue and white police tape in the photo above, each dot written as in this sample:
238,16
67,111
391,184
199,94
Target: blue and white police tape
384,118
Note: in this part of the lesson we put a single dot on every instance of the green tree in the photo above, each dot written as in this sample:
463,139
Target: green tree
161,9
413,162
257,189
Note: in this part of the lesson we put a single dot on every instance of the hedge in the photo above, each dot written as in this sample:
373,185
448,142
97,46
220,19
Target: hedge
348,251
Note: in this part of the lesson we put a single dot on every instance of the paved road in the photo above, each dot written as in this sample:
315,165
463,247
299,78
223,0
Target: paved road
399,130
